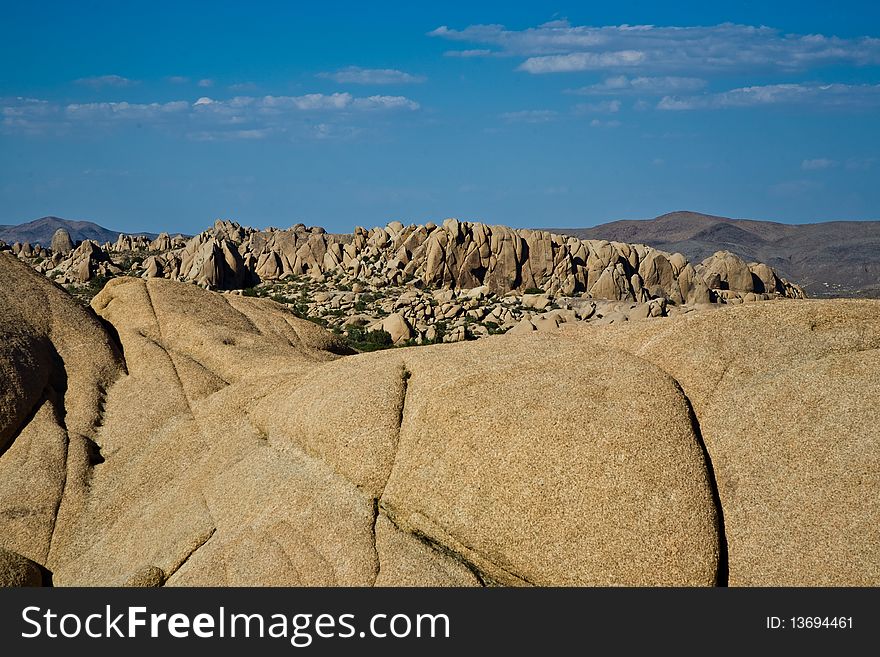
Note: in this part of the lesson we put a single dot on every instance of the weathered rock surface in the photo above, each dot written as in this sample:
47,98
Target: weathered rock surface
16,570
456,254
61,242
56,362
785,401
234,445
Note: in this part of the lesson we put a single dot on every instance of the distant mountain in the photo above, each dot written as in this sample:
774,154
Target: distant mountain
41,231
835,258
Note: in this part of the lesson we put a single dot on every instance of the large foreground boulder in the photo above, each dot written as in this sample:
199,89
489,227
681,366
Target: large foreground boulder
785,394
56,363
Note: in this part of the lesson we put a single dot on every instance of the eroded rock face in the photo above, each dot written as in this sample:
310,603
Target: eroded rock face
56,363
235,444
85,263
61,242
782,397
456,254
17,571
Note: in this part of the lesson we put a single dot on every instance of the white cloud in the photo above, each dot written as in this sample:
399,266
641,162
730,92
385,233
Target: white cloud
358,75
239,117
559,46
99,81
816,95
177,79
583,61
474,52
596,123
603,107
124,111
818,164
228,135
652,86
205,83
385,103
530,116
29,116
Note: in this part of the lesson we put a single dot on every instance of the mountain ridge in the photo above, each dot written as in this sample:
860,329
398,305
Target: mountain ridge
835,258
40,231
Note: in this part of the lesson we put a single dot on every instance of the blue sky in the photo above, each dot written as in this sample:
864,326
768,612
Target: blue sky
167,115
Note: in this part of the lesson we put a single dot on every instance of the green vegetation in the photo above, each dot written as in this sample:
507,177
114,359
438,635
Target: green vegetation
364,340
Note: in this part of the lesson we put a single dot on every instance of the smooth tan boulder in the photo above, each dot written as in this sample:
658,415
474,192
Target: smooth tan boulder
18,571
524,497
165,450
783,393
145,577
61,242
56,363
727,271
397,327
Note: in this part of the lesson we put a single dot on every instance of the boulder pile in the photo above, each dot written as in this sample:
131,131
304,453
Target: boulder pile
455,255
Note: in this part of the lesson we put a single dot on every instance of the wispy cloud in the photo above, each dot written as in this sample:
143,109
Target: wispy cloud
559,47
123,111
99,81
205,83
602,107
584,61
240,117
860,163
177,79
474,52
598,123
530,116
818,164
816,95
794,188
358,75
649,86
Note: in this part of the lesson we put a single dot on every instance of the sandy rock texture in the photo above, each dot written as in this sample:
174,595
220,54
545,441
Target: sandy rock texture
786,397
174,436
56,363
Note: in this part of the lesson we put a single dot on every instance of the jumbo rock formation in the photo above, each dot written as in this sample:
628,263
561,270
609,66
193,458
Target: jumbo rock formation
455,254
175,436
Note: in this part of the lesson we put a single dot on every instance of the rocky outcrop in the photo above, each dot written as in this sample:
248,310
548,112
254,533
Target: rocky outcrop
56,363
464,255
235,445
85,263
457,254
61,242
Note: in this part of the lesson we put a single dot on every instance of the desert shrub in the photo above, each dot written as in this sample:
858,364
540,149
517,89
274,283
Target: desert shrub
365,340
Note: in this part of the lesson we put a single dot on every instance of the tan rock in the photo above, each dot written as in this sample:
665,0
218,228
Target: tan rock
726,271
146,577
17,571
396,326
780,392
61,242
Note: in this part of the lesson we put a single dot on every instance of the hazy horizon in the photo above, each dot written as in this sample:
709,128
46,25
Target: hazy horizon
269,114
